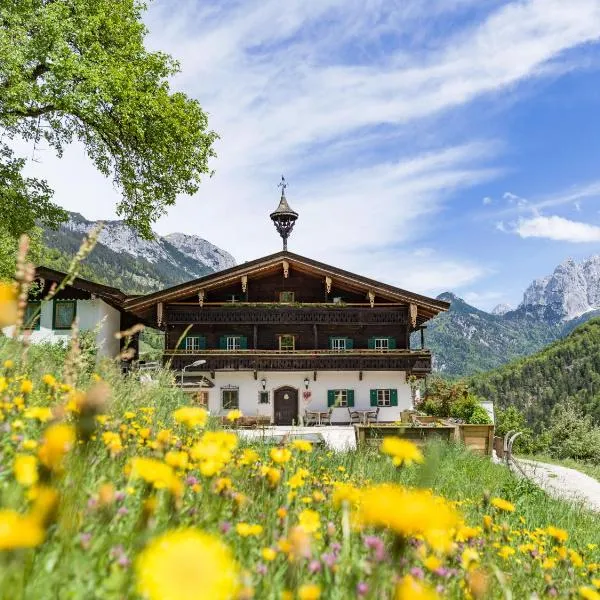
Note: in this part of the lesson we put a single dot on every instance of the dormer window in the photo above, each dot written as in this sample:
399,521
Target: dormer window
286,297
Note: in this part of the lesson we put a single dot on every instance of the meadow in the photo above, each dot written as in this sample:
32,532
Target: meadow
112,488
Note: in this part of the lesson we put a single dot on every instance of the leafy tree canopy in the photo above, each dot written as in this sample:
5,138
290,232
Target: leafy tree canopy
78,70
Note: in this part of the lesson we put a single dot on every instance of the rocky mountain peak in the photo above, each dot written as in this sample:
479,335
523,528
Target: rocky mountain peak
501,309
199,249
572,290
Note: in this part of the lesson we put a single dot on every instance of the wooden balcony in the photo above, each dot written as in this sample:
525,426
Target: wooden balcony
273,313
416,362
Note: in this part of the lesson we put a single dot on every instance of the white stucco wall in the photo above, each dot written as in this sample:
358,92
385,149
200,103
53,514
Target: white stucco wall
91,315
326,380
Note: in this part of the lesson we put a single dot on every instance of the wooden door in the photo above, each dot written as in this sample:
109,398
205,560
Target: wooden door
285,405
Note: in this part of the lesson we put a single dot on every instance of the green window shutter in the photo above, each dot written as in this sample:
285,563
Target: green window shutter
350,396
330,343
222,343
371,343
330,397
394,397
202,343
243,342
181,345
373,394
349,343
392,343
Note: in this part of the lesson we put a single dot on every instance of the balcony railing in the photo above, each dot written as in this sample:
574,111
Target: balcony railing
418,362
246,315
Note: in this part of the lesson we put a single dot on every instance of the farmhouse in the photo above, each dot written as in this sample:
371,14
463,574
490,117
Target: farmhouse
284,338
284,334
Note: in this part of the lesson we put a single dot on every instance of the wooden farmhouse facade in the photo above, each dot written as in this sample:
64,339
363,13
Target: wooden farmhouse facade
284,333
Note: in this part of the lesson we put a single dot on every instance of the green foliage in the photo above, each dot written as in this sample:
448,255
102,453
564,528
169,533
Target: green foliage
567,370
453,399
79,70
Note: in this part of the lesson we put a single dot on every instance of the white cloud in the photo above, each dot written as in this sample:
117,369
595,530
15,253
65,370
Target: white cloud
313,90
558,229
487,201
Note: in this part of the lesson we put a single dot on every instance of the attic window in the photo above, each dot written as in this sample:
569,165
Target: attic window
286,297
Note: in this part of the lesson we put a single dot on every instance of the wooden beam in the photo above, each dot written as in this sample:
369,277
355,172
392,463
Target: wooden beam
286,268
201,298
315,337
255,337
413,315
360,375
159,314
244,283
314,375
371,296
255,375
422,337
328,284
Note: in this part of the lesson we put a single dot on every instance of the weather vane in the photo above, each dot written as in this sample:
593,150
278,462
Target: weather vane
282,184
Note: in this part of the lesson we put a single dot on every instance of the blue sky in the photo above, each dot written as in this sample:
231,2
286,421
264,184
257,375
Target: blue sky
433,144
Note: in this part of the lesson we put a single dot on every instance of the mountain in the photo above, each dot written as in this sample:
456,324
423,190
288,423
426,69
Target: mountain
571,291
568,369
124,260
466,340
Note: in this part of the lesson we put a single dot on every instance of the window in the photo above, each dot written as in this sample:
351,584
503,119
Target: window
193,343
286,297
230,399
340,398
201,399
338,344
382,343
384,398
287,342
232,342
263,397
32,315
64,314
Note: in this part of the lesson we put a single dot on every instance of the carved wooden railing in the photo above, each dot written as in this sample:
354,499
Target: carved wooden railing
265,360
277,314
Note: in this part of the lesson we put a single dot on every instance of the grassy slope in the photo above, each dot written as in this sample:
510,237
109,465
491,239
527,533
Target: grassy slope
63,569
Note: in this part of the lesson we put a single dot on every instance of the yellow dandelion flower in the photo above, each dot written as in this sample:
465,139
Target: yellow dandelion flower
57,440
49,380
26,386
309,591
422,513
344,493
506,552
8,304
177,460
559,535
18,531
234,415
248,457
191,416
186,565
588,593
9,364
25,469
501,504
409,588
575,558
548,564
596,583
45,504
248,530
280,455
402,452
432,563
468,558
268,554
155,472
309,520
42,413
302,445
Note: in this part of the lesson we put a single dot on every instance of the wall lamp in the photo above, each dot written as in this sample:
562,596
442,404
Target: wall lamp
263,382
306,382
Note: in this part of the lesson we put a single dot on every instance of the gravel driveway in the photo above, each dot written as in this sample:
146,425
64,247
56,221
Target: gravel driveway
563,482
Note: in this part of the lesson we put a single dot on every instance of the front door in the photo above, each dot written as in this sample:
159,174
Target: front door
286,406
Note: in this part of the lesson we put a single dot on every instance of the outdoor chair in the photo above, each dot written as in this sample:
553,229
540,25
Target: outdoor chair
310,418
354,416
326,419
372,416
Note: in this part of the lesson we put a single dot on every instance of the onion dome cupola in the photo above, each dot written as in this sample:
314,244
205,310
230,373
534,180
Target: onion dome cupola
284,218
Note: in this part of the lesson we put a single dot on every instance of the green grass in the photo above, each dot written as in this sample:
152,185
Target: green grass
65,568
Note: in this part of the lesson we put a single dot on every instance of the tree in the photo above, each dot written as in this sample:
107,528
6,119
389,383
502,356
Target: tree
78,70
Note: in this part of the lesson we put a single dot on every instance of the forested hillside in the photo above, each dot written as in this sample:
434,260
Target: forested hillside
567,370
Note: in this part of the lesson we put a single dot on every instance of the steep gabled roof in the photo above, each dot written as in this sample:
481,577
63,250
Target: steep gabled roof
112,295
427,307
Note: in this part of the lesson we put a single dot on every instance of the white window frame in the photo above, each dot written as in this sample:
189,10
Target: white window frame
341,398
287,335
201,398
233,342
230,406
289,301
382,343
194,346
338,343
384,397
